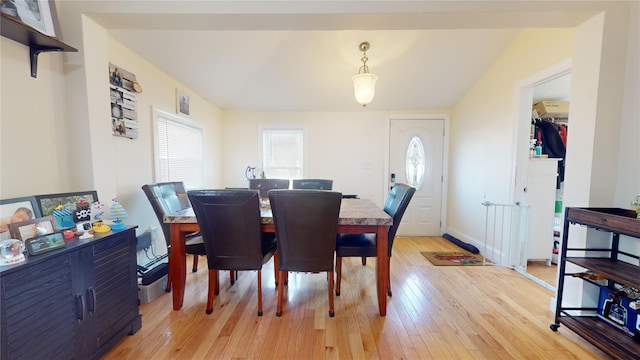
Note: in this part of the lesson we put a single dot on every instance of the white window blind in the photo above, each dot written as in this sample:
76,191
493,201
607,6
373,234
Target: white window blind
282,153
178,150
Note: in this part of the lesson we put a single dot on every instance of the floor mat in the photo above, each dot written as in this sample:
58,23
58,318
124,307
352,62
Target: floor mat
454,258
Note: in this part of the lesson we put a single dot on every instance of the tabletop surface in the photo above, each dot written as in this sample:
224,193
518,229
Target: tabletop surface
352,212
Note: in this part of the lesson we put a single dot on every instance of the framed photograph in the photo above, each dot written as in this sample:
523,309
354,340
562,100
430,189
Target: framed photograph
37,14
79,203
182,103
31,228
16,210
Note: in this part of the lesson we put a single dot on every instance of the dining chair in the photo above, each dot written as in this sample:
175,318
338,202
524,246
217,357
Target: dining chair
264,185
364,245
317,184
167,198
306,224
230,224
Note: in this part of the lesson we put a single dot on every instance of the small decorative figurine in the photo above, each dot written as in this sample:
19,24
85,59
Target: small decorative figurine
83,210
64,217
11,251
117,214
98,214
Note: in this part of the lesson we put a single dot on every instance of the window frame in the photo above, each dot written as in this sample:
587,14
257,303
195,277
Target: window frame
288,127
157,114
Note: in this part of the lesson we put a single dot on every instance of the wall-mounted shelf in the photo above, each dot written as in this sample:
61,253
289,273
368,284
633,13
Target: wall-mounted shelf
35,40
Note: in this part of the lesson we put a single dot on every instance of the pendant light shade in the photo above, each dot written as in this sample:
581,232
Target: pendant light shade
364,86
364,83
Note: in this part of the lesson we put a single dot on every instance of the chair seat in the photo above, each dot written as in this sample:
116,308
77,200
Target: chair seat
195,245
356,245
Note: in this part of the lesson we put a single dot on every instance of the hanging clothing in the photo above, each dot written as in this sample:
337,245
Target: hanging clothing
562,130
552,145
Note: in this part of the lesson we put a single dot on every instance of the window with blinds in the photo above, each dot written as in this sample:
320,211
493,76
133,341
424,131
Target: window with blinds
178,147
282,153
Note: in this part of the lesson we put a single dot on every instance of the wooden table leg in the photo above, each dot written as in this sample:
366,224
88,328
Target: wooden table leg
178,264
382,268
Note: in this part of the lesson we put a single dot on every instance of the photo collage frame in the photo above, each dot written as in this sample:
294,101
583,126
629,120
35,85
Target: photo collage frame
124,102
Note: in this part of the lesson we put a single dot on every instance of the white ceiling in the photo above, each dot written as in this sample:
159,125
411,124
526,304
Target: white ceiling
301,55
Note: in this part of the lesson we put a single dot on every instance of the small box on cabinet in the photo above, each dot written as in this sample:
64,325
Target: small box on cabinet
148,293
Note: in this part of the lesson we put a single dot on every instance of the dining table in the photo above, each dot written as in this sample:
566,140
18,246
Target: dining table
357,216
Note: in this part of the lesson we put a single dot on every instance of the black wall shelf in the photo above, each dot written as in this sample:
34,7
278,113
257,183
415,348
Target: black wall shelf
35,40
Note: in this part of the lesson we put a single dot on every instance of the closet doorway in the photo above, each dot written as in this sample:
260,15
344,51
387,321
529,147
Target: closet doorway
538,179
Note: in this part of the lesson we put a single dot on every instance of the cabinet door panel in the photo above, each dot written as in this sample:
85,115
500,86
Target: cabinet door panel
38,303
115,290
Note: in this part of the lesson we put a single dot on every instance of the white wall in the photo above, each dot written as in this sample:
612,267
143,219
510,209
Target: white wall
628,183
56,129
482,128
344,146
134,165
33,130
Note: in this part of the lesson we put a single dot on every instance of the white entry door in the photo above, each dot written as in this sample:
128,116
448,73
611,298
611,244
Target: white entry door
416,148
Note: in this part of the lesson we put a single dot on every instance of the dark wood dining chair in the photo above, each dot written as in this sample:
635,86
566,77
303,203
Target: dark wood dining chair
364,245
167,198
264,185
306,223
316,184
230,224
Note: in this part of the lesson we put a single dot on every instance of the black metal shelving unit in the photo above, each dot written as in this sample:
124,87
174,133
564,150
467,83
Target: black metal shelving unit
582,320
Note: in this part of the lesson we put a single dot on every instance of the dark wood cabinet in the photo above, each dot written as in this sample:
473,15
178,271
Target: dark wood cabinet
75,302
583,320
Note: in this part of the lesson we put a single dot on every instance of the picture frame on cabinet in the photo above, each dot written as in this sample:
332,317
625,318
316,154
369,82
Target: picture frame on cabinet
16,210
31,228
79,203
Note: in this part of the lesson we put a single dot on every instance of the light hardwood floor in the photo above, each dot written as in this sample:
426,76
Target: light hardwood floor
436,312
548,274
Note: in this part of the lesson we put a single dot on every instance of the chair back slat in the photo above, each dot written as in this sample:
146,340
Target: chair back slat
316,184
264,185
306,223
166,198
230,224
396,205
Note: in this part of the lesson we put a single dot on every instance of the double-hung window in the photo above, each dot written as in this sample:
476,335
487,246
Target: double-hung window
282,153
178,148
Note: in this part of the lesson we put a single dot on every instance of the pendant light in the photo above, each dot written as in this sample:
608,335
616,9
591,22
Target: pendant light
364,84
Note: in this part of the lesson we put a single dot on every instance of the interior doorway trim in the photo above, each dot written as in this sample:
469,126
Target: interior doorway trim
521,129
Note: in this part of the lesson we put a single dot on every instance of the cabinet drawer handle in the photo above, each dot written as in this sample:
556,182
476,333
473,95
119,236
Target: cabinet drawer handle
82,307
92,308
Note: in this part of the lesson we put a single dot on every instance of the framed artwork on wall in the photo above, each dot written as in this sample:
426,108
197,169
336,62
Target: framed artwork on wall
182,103
123,87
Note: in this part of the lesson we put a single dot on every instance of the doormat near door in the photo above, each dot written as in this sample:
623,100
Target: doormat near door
452,258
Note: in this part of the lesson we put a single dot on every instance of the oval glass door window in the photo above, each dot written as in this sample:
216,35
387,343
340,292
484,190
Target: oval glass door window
415,163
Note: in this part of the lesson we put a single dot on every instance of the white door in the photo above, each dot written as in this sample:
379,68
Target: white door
416,148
